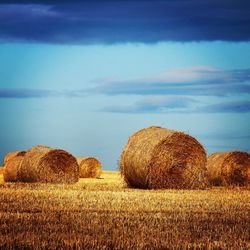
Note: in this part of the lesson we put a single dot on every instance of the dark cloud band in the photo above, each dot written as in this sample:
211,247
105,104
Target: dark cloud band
107,22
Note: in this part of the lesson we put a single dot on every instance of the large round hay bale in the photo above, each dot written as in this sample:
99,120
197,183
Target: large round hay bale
11,168
229,168
44,164
157,158
12,155
90,167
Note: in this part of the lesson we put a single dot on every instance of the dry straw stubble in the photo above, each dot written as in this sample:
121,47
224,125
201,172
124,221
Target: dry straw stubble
157,158
44,164
90,167
229,168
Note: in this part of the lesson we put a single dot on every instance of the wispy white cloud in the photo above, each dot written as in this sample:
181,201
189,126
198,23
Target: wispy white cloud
195,74
226,107
198,80
155,104
174,90
179,104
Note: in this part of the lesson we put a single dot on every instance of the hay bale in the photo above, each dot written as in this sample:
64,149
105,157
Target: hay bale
90,167
38,147
12,155
158,158
44,164
11,168
1,170
229,168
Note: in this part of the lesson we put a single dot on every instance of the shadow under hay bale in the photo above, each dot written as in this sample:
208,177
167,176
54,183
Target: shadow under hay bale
44,164
12,155
90,167
157,158
11,168
229,168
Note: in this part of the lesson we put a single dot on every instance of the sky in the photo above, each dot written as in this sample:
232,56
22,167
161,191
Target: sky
85,75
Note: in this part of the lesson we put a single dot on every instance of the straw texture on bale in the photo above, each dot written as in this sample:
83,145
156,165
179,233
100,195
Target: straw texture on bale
229,168
157,158
44,164
90,167
1,170
11,168
12,155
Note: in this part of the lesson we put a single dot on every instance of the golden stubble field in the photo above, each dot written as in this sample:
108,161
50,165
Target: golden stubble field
104,214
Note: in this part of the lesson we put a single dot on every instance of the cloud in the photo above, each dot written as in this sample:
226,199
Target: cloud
236,107
26,93
201,80
154,104
192,81
40,93
178,104
108,22
198,74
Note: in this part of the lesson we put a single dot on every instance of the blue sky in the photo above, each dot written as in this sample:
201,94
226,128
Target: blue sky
84,76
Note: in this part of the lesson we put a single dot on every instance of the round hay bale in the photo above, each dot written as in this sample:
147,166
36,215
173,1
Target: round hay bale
11,168
12,155
1,170
229,168
90,167
44,164
39,147
157,158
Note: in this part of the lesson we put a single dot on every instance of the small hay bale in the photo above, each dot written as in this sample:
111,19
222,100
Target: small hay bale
1,170
11,168
38,147
90,167
157,158
44,164
12,155
229,168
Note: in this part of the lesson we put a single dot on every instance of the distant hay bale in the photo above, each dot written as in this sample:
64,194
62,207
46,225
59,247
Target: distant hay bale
38,147
44,164
1,170
90,167
12,155
11,168
229,168
157,158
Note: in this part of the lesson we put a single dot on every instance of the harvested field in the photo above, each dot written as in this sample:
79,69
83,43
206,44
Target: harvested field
104,214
